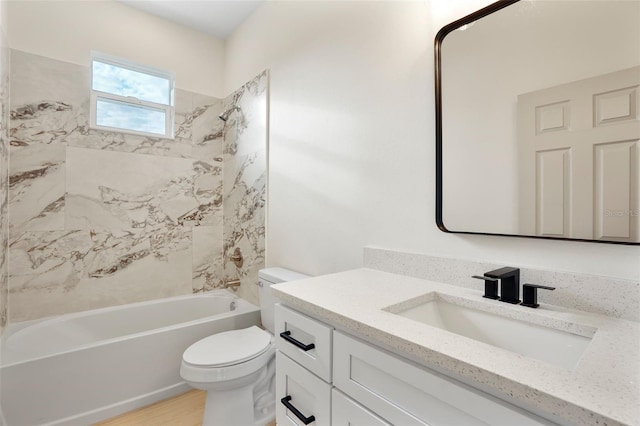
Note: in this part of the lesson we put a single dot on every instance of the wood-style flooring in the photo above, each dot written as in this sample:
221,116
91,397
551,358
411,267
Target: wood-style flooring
182,410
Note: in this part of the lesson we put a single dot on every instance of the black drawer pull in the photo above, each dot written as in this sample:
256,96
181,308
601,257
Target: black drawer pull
296,412
286,335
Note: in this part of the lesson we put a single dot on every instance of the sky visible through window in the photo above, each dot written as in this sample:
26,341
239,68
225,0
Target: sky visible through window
130,117
124,82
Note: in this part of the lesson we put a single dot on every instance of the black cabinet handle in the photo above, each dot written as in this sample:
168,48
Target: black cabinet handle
296,412
286,335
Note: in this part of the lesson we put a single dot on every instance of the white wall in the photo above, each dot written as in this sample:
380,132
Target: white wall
69,30
352,148
4,19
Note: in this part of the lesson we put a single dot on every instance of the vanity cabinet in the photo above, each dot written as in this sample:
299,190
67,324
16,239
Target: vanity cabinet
345,411
307,393
303,369
301,332
404,393
343,380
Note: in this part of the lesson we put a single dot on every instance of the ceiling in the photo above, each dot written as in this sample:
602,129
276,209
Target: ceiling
218,18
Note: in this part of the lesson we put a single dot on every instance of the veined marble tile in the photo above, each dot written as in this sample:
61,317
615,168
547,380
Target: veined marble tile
66,271
249,123
36,78
50,101
242,171
4,179
245,137
208,272
207,130
103,218
248,289
37,187
85,137
183,108
244,202
191,121
245,220
249,239
209,193
42,122
115,190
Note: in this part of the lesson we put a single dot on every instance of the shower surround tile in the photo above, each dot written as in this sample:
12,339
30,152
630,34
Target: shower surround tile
44,86
116,190
104,218
4,179
36,186
58,272
245,184
208,271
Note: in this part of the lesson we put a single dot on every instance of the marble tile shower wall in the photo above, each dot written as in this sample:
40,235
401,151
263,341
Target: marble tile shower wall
98,218
4,179
245,179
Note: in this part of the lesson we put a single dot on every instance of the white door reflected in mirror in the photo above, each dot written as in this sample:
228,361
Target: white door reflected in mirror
568,166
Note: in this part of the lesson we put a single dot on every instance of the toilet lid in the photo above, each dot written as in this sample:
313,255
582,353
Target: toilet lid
228,348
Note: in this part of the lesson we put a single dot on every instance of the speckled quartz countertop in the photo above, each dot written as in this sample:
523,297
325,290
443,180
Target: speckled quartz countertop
603,388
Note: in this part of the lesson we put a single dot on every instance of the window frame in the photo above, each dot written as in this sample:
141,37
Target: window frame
169,110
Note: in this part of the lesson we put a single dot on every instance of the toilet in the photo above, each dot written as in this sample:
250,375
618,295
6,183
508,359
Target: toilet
237,367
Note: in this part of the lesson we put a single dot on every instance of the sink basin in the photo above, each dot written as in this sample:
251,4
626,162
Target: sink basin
557,347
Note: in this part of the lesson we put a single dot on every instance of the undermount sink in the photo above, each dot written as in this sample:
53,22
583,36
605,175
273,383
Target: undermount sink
556,347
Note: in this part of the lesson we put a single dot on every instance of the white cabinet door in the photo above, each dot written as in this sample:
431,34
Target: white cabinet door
405,394
579,159
306,396
305,340
347,412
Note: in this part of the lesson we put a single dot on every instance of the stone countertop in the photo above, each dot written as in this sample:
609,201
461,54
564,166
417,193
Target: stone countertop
603,388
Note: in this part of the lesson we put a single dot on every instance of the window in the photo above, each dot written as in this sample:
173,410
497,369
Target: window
131,98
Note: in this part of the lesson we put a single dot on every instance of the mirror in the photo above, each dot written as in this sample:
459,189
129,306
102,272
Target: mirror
538,121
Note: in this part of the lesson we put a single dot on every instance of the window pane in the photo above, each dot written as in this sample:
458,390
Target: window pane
130,117
124,82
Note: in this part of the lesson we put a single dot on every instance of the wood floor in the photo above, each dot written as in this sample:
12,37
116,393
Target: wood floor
182,410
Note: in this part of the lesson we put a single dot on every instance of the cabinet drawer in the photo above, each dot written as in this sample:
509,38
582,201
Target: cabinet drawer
300,330
309,395
406,394
347,412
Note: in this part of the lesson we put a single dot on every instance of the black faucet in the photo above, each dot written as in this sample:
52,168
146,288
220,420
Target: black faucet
510,287
509,283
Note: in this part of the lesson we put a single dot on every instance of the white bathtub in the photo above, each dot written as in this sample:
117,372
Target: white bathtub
80,368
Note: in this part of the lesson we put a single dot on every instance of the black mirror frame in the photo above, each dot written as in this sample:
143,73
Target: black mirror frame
444,31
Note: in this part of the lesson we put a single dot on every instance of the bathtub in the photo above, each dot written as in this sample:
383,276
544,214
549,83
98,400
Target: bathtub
80,368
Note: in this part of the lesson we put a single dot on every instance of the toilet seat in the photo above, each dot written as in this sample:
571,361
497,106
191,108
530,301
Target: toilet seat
212,359
228,348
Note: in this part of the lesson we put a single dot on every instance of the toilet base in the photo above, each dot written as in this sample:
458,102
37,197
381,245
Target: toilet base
229,403
229,408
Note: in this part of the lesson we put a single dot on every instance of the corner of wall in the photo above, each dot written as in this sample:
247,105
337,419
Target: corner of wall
4,168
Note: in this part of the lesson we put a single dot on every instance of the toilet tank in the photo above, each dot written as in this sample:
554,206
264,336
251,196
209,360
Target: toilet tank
269,276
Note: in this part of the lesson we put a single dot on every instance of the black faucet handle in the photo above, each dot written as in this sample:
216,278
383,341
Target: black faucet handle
530,294
490,286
